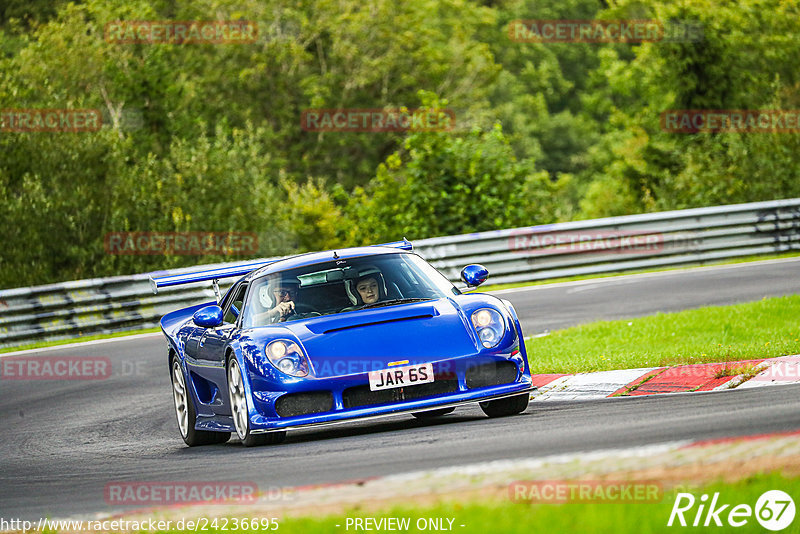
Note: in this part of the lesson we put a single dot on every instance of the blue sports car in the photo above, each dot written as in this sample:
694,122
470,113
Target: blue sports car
331,337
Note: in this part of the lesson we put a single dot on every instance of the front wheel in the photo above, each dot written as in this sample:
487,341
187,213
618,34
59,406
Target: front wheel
184,409
508,406
240,413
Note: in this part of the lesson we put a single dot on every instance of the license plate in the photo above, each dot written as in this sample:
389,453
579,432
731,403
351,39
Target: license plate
398,377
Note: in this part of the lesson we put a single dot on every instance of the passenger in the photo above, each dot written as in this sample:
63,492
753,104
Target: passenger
369,288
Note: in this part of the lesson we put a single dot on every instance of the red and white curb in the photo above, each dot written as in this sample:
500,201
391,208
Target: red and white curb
656,380
780,371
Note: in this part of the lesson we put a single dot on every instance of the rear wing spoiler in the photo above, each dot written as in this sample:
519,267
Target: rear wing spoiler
405,244
240,269
204,276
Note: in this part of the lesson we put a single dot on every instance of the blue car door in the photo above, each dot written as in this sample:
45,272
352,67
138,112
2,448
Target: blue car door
209,363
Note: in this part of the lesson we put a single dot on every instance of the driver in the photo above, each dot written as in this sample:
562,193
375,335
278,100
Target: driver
279,298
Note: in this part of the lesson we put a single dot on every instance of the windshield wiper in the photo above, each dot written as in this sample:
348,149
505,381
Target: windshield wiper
392,302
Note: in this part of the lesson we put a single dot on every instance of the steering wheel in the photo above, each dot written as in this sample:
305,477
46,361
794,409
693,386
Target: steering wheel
306,315
302,311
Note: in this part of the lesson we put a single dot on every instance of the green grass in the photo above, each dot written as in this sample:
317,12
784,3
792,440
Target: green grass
747,370
762,329
507,517
79,339
744,259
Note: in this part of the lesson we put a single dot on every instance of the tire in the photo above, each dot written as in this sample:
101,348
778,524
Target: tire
508,406
240,413
185,412
430,414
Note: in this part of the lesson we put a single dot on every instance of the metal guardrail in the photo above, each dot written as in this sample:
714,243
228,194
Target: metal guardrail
616,244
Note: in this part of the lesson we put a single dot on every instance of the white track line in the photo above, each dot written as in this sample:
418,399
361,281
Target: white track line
636,277
82,344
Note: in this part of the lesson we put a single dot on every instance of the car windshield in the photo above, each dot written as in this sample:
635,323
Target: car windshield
343,285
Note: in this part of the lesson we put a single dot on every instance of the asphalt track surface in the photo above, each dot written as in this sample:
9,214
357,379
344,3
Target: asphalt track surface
62,442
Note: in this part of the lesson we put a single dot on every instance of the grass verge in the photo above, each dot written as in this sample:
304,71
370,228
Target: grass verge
78,339
764,329
508,517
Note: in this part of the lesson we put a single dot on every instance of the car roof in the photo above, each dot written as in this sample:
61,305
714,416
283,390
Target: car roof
311,258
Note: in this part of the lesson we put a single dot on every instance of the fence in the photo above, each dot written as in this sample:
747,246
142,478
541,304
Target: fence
616,244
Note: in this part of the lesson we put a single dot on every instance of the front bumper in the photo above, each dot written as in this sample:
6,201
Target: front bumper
366,414
351,400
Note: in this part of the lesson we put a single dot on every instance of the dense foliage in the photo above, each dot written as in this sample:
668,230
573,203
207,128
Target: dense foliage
205,137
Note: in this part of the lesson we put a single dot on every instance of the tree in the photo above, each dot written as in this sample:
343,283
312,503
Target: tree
444,184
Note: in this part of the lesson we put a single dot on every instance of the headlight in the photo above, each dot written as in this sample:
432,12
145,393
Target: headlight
287,357
489,325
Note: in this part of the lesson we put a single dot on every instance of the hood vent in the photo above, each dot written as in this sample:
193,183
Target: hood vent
369,323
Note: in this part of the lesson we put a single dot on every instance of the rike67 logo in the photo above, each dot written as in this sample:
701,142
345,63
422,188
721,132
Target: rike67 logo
774,510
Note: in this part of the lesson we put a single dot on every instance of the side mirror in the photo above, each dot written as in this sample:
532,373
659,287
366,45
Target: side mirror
208,317
474,275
